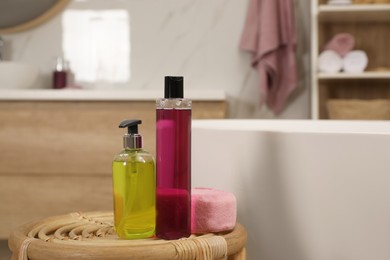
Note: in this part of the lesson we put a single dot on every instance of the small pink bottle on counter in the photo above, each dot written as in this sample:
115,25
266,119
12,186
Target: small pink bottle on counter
60,74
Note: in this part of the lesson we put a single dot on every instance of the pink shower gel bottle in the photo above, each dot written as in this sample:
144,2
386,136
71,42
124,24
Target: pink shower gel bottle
173,153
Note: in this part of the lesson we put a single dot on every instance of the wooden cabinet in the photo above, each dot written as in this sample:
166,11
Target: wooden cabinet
370,25
56,155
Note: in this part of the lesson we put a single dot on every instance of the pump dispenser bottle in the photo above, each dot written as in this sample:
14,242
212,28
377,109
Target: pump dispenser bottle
60,74
134,187
173,143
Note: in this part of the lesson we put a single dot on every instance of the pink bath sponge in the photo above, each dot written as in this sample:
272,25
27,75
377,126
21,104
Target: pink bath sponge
212,211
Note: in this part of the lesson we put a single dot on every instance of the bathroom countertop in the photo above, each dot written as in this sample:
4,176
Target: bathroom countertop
103,95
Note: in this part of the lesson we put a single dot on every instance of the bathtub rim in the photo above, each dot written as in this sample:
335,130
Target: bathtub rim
295,126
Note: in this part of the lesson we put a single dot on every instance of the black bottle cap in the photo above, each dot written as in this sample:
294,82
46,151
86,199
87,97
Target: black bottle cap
173,87
132,139
132,125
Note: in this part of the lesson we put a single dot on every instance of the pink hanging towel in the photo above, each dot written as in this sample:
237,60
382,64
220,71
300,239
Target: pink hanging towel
269,34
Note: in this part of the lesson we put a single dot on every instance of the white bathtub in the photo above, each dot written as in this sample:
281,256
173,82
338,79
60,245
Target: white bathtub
306,190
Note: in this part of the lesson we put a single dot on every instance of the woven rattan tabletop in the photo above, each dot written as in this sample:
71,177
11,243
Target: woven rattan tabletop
91,235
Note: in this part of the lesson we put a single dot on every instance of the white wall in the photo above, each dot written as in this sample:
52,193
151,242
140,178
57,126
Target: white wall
195,38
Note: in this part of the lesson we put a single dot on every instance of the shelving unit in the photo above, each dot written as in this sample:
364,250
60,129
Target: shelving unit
370,25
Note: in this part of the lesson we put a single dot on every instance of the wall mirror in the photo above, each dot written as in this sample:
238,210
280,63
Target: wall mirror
21,15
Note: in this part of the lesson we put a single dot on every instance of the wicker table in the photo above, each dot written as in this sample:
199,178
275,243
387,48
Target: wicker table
91,236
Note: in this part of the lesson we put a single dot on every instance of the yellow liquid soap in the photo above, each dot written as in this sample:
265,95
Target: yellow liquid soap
134,185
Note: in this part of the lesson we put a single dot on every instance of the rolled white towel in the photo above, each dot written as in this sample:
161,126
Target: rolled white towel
330,62
355,62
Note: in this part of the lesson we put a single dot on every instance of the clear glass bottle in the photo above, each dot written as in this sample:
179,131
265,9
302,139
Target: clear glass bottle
134,186
173,143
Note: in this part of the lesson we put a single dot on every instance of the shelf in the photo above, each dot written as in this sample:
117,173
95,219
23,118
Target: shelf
354,13
364,75
370,26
